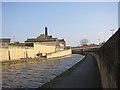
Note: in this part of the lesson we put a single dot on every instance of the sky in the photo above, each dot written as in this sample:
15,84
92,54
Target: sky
72,21
119,14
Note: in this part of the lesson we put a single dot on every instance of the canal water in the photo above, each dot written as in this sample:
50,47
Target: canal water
34,74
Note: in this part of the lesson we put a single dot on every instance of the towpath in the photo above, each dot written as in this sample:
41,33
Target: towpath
85,74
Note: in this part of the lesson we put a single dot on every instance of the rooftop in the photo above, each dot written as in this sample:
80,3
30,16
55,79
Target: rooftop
44,38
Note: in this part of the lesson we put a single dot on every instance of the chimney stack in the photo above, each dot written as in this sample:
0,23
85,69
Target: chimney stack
46,32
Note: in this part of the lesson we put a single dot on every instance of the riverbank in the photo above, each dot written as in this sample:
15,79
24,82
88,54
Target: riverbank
28,60
84,74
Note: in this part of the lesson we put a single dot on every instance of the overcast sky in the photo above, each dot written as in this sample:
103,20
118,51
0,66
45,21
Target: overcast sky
72,21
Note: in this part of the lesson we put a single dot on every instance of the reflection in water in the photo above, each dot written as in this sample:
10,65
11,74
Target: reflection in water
34,74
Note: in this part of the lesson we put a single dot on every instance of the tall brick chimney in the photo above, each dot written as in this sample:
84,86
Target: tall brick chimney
46,32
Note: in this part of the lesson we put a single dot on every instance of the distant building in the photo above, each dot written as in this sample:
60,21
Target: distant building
42,46
47,39
4,41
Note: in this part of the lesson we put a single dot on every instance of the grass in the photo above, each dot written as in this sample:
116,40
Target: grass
29,60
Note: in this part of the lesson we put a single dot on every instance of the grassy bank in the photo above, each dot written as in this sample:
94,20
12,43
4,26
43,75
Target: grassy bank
29,60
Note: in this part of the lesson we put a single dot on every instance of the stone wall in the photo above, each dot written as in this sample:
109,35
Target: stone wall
44,48
12,52
108,59
106,78
59,53
16,52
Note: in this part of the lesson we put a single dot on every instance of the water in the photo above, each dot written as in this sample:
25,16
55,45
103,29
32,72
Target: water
35,74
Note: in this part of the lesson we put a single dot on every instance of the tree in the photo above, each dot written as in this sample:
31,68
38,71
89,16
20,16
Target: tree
84,42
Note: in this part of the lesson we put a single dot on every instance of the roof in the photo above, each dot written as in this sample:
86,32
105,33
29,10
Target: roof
4,39
43,40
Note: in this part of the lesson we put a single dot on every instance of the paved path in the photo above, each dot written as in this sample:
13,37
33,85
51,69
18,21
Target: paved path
83,75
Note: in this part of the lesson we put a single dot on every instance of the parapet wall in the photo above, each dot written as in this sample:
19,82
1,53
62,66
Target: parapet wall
108,59
59,53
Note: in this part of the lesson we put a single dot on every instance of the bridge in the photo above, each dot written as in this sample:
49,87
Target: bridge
80,49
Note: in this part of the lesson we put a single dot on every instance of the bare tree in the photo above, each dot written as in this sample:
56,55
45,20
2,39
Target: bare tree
84,41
